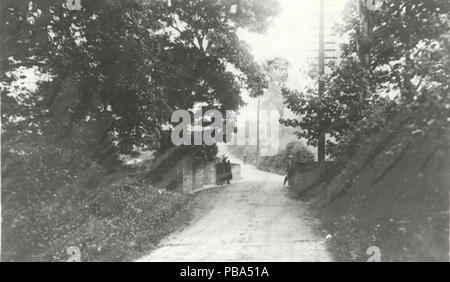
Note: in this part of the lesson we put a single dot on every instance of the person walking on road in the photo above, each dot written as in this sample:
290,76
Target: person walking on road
228,171
289,170
219,173
225,170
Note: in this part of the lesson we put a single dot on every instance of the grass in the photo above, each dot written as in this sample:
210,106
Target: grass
121,220
396,199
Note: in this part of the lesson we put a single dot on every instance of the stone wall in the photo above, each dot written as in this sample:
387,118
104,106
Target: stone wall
197,177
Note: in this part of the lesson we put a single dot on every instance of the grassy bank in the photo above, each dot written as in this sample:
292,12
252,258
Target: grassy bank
120,220
393,194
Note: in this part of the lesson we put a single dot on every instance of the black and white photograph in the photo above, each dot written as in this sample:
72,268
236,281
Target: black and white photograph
239,132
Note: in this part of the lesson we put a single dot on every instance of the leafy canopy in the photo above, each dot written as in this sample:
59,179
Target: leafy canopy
122,67
401,62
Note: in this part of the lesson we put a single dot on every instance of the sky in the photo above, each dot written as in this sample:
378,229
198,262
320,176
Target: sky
294,34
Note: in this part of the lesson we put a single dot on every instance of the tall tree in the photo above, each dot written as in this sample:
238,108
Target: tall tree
119,68
404,45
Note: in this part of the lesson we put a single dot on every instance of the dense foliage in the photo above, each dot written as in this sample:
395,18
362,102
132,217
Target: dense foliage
108,77
400,64
126,65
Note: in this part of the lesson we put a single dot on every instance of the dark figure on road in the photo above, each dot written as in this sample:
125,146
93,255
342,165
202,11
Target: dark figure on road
219,173
289,170
223,171
229,176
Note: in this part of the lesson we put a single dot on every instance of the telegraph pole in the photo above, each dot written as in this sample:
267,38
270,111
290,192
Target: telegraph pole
257,131
321,85
363,46
364,34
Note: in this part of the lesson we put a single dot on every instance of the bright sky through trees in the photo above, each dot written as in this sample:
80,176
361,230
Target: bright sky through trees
294,34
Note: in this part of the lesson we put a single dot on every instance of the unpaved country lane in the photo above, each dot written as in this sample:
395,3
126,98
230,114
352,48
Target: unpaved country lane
253,220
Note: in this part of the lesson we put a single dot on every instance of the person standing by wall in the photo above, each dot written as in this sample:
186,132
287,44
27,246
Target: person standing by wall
289,170
219,172
225,170
228,169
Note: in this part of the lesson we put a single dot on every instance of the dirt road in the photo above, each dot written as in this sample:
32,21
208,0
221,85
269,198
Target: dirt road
252,220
